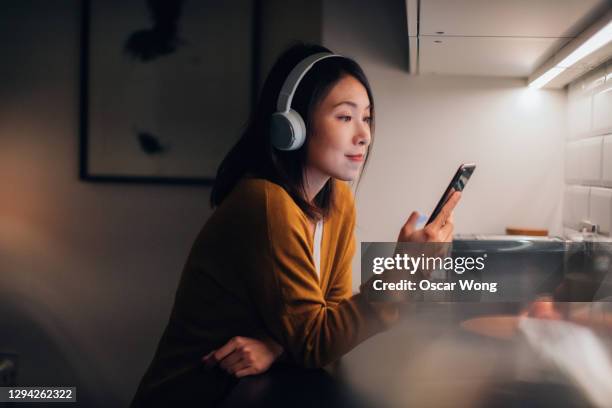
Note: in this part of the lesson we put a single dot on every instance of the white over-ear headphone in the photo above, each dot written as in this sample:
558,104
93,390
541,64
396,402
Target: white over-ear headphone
287,128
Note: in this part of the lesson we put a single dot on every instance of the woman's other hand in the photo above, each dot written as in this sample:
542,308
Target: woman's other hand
439,230
242,356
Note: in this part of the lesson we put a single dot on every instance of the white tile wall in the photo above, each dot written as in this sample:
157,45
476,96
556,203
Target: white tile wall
602,108
572,162
583,161
576,208
574,90
579,115
595,79
588,154
606,159
590,160
600,208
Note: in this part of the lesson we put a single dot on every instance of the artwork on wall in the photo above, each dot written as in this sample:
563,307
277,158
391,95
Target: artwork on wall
166,87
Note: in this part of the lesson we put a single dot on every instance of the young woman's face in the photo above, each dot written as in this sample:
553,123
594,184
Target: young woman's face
340,135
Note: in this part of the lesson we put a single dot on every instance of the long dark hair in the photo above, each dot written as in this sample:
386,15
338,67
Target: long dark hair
254,154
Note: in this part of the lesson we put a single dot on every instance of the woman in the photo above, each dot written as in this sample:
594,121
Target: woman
269,276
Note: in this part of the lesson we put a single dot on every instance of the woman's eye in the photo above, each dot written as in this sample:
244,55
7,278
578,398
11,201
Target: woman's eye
345,118
368,120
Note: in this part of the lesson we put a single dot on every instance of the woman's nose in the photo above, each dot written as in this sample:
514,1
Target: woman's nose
362,136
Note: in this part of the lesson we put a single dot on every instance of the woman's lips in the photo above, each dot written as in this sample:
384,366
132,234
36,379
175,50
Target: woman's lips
355,157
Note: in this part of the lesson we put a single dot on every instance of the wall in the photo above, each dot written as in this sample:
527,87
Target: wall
588,165
284,22
428,125
87,271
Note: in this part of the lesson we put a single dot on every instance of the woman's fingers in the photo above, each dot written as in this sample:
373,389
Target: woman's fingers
237,362
439,230
241,353
410,225
446,232
240,366
209,359
228,362
224,351
451,217
246,371
446,211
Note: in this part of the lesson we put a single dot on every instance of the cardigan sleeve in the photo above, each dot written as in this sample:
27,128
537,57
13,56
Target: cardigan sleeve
282,280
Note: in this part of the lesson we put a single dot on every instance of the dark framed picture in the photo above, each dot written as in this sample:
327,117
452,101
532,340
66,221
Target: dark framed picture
166,87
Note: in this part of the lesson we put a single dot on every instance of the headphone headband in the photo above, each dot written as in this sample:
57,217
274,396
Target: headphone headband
295,76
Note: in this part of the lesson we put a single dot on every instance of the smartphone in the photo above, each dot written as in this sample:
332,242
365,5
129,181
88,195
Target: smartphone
458,182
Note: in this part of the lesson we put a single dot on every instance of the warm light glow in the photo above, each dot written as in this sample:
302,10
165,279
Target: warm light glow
598,40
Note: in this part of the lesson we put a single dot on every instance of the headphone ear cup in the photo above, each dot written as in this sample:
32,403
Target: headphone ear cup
287,130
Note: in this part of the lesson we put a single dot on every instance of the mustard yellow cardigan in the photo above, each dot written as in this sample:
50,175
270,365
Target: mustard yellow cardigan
251,273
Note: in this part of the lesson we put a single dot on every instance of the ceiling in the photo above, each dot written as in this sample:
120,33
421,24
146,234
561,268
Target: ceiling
502,38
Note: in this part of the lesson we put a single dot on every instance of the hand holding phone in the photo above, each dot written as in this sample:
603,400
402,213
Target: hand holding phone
457,183
438,228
